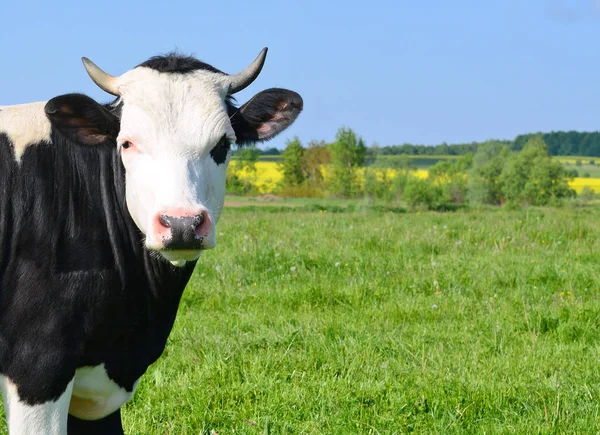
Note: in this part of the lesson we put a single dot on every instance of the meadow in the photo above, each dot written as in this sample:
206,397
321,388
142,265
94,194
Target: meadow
340,322
366,322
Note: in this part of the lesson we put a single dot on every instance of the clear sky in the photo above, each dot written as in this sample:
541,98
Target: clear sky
419,71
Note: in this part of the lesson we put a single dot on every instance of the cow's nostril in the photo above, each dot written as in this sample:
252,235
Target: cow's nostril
199,219
201,223
164,220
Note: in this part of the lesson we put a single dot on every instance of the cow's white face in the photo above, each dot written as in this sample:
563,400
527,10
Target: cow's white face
170,123
173,136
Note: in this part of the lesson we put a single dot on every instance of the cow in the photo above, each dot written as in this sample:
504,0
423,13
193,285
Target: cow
104,212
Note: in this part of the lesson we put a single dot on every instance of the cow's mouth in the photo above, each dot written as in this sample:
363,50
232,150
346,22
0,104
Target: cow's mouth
179,258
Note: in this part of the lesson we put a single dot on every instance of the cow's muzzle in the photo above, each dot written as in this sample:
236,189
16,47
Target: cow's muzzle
179,229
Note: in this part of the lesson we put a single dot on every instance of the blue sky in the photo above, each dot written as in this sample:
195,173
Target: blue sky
419,71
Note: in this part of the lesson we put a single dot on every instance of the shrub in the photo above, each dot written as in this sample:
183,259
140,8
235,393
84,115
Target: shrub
347,155
291,166
378,184
587,194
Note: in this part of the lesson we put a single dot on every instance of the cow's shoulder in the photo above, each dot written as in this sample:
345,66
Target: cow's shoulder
25,125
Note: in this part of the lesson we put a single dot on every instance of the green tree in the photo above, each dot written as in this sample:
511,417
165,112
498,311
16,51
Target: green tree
247,158
245,162
291,166
426,193
378,186
347,155
483,179
533,177
451,178
316,155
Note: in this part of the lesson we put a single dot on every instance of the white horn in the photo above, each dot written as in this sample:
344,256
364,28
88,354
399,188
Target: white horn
106,82
244,78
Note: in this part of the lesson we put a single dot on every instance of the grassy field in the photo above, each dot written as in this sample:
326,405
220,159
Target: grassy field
471,322
346,323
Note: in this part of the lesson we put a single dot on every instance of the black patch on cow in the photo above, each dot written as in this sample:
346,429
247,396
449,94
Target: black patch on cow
109,425
175,62
220,151
77,286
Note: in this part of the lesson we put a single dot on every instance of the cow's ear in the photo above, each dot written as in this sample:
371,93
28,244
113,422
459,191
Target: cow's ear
266,115
82,120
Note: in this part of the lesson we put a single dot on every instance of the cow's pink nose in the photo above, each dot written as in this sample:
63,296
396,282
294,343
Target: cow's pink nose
182,229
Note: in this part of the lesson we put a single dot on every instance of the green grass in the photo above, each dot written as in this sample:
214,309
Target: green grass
368,322
294,205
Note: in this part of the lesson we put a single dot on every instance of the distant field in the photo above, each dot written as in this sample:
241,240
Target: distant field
427,161
268,173
573,159
593,171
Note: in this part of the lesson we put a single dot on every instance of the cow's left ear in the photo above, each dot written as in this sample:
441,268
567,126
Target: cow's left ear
82,120
266,115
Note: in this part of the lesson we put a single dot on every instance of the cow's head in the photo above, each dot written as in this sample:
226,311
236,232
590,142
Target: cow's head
174,123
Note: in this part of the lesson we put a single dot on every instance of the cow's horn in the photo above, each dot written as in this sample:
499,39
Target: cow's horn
106,82
244,78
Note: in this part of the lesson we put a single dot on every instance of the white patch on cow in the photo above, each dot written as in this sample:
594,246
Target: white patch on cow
174,121
25,125
49,418
95,395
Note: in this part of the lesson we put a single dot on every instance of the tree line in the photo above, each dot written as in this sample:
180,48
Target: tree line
496,173
560,143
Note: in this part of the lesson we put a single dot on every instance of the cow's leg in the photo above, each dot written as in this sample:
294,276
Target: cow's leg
109,425
48,418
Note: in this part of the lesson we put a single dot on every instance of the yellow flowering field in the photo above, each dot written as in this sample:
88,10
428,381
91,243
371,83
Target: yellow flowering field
579,183
268,175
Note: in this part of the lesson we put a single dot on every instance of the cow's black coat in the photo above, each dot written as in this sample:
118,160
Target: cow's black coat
77,288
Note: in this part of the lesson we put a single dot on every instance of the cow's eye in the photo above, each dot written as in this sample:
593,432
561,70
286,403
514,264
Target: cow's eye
126,145
219,152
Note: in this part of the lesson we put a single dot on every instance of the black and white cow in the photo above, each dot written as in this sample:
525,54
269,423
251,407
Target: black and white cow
104,210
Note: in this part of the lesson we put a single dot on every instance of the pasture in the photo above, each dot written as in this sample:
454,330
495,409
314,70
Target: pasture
367,322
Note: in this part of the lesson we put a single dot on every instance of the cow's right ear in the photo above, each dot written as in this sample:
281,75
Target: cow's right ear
82,120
